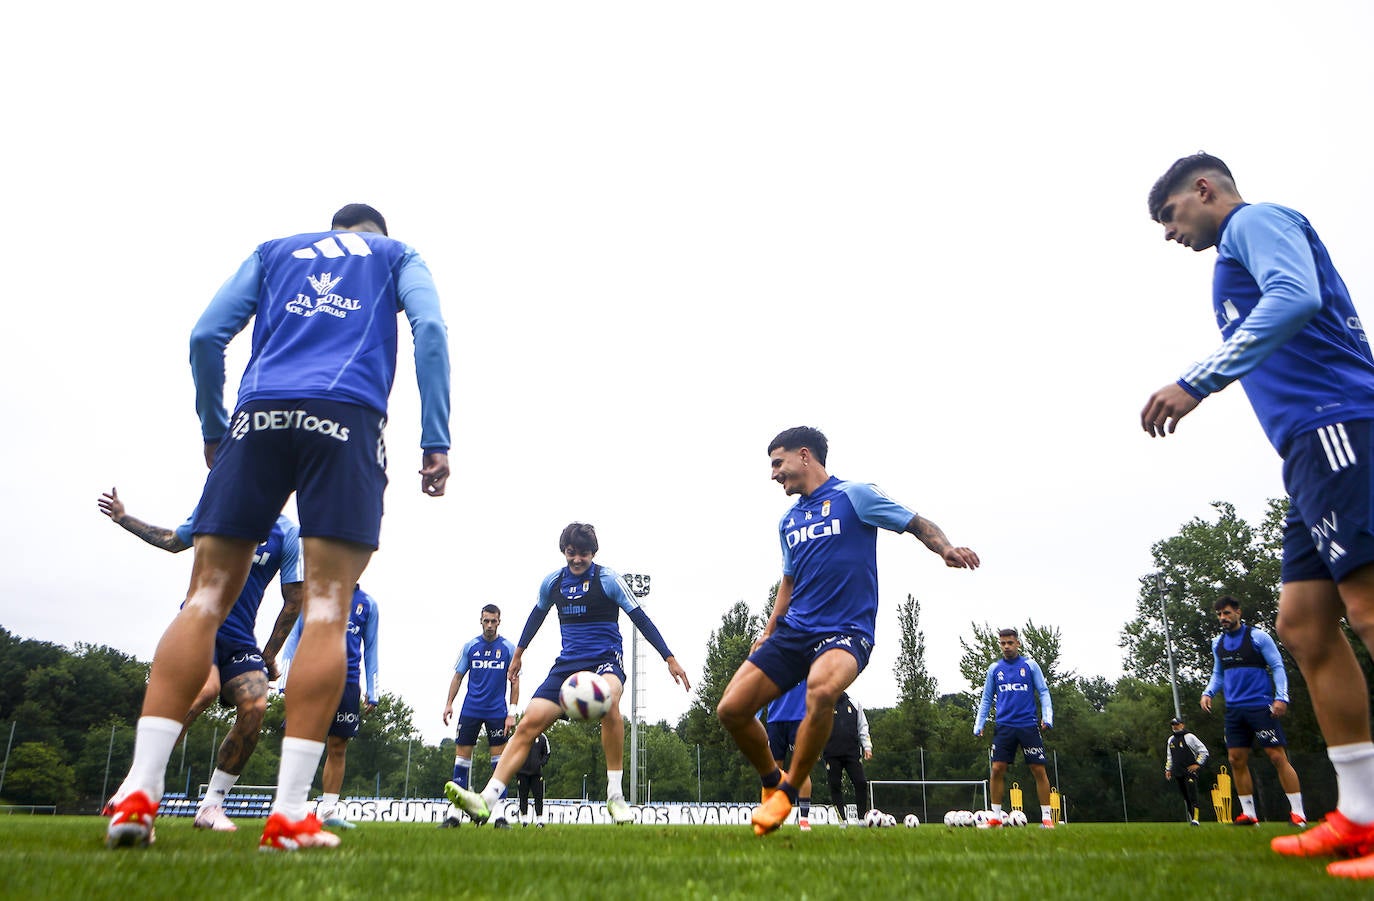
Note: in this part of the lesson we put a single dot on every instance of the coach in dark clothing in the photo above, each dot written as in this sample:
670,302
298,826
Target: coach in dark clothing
848,748
530,779
1184,755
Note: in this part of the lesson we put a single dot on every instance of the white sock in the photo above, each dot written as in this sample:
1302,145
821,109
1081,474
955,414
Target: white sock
328,801
1247,806
1046,813
997,811
492,793
154,739
614,783
220,783
1295,803
300,757
1354,765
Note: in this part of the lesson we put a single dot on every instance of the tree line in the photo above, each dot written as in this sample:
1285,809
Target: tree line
72,712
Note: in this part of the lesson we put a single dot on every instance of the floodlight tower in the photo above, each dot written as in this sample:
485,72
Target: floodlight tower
639,587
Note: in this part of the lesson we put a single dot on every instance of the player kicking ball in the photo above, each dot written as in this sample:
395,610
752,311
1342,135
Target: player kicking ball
589,598
821,629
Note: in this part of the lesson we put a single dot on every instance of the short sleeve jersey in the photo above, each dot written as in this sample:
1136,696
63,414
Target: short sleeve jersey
830,549
279,554
485,662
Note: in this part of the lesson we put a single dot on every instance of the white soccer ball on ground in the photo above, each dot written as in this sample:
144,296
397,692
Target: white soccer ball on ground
874,818
889,821
982,819
585,696
966,818
1016,818
910,821
951,818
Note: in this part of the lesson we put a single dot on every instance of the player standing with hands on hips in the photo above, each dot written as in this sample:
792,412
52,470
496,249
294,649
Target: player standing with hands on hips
1184,755
1292,337
311,409
823,617
1244,658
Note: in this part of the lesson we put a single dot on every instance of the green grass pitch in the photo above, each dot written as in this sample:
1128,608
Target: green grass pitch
64,857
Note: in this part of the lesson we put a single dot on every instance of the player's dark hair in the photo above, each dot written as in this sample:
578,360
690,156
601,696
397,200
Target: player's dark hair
579,536
1008,633
799,437
1179,173
355,213
1225,601
492,608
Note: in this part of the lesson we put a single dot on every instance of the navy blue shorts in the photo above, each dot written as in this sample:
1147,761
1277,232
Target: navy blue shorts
562,669
1246,725
1006,739
787,655
330,453
237,659
1330,526
346,718
782,737
469,727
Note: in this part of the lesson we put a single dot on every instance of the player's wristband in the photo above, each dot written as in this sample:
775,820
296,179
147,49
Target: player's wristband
512,710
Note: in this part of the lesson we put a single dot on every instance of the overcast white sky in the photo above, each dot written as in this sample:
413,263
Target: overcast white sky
663,232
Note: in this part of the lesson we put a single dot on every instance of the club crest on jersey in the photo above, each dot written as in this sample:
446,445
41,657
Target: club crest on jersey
359,611
812,532
825,509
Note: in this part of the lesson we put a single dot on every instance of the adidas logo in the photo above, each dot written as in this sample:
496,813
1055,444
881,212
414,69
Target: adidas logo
335,246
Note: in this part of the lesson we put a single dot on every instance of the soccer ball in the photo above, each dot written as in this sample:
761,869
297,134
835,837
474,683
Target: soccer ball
966,818
951,818
874,818
1016,818
982,819
585,696
910,821
889,821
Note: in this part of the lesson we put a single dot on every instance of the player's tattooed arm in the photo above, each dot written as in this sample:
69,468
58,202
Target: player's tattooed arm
291,596
933,537
113,507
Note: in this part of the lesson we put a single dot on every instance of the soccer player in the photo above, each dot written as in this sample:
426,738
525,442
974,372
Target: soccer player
311,408
849,746
821,628
485,705
1243,661
1293,338
363,621
784,717
530,780
1017,683
1184,756
240,672
589,598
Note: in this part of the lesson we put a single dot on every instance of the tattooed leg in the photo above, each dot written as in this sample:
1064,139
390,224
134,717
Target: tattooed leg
248,693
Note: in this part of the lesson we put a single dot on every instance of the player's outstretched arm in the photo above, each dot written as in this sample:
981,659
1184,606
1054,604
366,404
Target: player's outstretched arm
933,537
434,474
1165,408
678,673
113,507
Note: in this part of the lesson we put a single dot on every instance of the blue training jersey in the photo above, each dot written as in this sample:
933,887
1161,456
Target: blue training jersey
1291,332
280,555
360,640
326,306
484,663
791,707
1247,684
1016,684
589,608
830,549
